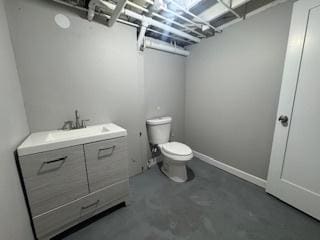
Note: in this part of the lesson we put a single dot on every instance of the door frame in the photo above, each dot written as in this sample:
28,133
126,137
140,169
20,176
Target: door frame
275,186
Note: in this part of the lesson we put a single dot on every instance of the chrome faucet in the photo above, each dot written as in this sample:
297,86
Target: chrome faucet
77,125
69,125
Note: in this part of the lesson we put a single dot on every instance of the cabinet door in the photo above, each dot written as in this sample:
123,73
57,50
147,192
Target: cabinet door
54,178
107,162
60,219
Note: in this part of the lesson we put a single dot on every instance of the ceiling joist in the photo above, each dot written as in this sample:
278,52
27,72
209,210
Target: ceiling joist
117,11
182,23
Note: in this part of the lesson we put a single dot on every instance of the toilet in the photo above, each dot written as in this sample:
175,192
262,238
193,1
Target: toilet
175,155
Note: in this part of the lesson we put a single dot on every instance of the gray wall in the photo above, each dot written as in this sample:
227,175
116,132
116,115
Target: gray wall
88,67
232,89
94,69
14,221
164,76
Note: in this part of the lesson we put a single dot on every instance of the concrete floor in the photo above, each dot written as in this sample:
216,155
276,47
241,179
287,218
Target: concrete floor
212,205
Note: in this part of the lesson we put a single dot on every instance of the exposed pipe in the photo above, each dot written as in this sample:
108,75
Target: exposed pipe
191,14
150,43
165,9
143,30
164,18
152,22
91,9
116,13
137,6
169,36
121,21
181,17
95,13
128,23
178,24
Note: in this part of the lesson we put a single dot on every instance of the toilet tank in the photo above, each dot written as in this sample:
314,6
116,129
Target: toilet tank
159,130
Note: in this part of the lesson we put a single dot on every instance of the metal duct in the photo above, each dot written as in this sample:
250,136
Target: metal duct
163,46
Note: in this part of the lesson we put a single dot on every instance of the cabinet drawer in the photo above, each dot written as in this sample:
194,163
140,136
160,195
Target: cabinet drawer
54,178
59,219
107,162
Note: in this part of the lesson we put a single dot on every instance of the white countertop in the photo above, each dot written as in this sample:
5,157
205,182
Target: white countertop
51,140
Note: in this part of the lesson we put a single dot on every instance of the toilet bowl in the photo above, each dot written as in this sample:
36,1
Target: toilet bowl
174,155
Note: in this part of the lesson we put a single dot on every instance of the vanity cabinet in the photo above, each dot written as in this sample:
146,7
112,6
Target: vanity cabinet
68,185
54,178
106,162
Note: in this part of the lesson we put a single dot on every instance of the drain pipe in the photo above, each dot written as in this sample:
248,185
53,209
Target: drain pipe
143,30
150,43
92,9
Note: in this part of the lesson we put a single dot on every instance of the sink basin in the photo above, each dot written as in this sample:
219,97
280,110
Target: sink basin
51,140
77,133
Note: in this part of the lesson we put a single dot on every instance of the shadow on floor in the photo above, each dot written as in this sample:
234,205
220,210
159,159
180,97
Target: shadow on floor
190,173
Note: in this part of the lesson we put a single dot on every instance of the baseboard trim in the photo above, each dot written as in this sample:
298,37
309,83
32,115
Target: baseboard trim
232,170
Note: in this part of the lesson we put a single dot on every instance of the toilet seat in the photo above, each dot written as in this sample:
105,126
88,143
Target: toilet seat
176,151
177,148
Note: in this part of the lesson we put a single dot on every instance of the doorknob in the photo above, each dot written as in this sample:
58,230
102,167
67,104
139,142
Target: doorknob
284,120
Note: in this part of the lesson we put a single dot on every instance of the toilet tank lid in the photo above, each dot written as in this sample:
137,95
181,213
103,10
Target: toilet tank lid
159,121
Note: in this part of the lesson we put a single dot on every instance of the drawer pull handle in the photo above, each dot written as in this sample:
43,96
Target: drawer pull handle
43,170
100,156
57,160
90,205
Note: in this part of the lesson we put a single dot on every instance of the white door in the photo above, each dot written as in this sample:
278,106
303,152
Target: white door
294,172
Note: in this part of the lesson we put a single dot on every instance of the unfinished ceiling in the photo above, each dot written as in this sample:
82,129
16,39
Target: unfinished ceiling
171,25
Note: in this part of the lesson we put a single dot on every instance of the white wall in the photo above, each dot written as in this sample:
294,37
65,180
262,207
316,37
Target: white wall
88,67
14,221
232,89
164,76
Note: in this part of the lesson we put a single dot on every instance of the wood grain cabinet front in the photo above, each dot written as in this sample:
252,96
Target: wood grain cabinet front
54,178
107,162
61,218
68,185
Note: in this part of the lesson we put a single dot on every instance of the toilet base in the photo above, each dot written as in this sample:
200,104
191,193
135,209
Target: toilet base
175,170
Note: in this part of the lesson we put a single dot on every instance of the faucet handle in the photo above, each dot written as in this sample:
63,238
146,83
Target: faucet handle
69,124
83,123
